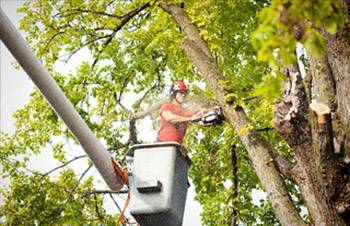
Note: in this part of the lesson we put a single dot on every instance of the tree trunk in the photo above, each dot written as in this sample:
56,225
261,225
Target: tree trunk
258,148
338,56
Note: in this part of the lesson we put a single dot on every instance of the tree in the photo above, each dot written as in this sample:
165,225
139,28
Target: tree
298,159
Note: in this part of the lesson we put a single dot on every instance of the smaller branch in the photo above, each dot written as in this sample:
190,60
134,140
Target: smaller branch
235,185
94,192
110,3
70,161
125,84
155,85
246,100
97,209
126,18
52,38
120,210
99,13
70,195
33,172
102,107
264,129
85,44
120,104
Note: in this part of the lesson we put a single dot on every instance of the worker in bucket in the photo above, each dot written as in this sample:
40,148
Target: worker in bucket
174,118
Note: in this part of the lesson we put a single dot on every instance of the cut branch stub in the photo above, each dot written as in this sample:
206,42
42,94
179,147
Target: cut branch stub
321,110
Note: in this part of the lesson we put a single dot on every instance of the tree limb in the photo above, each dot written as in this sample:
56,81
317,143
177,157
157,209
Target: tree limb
258,148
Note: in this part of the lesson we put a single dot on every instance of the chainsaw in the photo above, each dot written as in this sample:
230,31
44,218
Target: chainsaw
212,116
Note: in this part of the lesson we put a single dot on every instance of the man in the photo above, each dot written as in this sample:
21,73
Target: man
173,117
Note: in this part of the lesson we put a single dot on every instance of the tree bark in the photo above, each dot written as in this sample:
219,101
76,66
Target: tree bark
338,56
292,121
257,148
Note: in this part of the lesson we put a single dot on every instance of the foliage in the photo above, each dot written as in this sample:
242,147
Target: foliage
131,67
38,200
285,22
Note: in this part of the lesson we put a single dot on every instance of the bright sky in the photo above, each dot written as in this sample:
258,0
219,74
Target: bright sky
15,89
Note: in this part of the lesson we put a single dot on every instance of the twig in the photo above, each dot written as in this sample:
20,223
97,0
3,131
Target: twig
120,104
103,192
97,209
120,210
72,160
85,44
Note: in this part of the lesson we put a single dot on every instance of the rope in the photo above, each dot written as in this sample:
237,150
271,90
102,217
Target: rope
122,220
122,173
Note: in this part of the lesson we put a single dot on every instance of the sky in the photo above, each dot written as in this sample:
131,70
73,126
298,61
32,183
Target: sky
15,89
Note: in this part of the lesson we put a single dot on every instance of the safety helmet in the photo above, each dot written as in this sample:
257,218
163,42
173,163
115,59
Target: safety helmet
176,87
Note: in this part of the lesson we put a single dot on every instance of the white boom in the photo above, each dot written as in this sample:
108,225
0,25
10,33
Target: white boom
59,102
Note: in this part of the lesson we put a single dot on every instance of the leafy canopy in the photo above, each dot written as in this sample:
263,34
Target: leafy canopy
135,51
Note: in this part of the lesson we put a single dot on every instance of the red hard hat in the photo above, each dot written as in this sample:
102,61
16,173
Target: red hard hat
179,85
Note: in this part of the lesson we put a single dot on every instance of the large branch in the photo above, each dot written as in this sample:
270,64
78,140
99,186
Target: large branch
257,148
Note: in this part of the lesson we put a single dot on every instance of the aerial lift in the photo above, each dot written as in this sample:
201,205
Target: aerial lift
157,172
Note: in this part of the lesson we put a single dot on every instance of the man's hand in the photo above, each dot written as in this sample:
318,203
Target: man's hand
195,117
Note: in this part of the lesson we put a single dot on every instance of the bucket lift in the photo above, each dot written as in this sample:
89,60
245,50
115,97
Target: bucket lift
158,183
158,178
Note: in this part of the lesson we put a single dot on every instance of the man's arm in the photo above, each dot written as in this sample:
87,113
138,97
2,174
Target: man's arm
173,118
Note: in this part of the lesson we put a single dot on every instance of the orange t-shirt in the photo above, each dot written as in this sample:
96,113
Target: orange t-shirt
172,131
